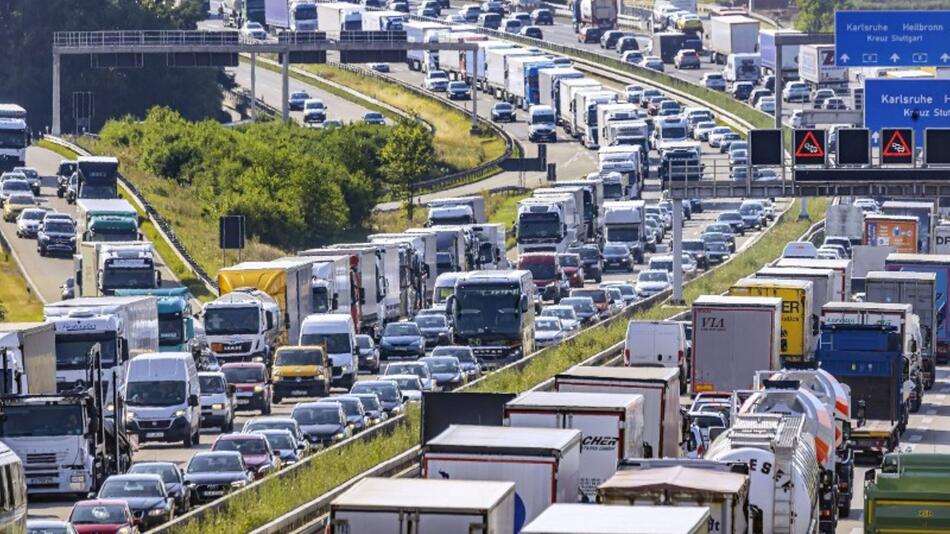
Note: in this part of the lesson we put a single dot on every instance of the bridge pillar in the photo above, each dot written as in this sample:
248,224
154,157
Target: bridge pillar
57,125
285,86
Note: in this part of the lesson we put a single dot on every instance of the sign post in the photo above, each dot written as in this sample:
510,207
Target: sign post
892,38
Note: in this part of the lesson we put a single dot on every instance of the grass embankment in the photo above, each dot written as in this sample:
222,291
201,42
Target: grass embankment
18,303
169,258
276,497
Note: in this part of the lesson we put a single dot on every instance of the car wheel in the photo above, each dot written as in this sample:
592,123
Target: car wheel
197,438
266,409
189,441
42,251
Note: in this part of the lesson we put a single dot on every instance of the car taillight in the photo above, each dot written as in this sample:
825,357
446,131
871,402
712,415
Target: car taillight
681,356
626,356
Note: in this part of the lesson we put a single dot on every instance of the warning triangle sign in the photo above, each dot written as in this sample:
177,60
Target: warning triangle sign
810,147
897,146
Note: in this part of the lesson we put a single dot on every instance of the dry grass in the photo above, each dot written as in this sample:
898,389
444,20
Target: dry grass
17,301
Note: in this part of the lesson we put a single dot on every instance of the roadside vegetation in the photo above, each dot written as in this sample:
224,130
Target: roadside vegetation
18,303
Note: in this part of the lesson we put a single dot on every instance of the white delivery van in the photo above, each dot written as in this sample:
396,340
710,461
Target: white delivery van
603,518
656,344
336,332
395,505
444,288
542,462
611,426
661,398
162,398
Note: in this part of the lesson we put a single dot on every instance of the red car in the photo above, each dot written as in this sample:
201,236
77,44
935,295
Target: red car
573,268
546,272
254,449
252,388
600,296
102,516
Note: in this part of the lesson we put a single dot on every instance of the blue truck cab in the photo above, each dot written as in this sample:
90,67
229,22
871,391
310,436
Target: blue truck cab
176,323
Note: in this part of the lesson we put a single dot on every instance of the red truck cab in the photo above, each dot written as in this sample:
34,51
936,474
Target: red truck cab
547,273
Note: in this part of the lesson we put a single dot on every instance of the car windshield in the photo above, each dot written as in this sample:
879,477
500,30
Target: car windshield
244,375
385,392
223,321
586,253
438,75
131,488
401,329
560,312
717,246
547,323
33,215
57,227
300,96
720,228
442,365
292,356
215,463
14,186
597,295
431,321
279,440
409,384
568,260
267,423
317,415
540,271
242,445
335,343
370,402
615,250
100,514
406,369
692,245
373,116
169,473
582,305
653,276
351,406
155,393
462,354
211,384
364,342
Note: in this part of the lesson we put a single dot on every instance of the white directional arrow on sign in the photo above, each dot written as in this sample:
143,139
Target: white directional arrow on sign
945,57
895,58
845,57
875,136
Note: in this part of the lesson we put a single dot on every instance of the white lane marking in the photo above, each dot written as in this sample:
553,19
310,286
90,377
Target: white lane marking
940,397
916,437
927,420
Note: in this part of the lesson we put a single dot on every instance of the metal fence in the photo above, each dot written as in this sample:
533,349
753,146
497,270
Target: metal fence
145,38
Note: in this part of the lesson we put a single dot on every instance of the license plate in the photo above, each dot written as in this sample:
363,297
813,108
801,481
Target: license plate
214,493
42,481
244,401
154,434
299,392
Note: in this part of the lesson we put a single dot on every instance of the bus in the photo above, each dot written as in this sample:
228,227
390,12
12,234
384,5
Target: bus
14,137
12,492
493,312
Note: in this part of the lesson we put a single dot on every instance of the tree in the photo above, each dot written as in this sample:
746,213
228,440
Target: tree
408,158
819,15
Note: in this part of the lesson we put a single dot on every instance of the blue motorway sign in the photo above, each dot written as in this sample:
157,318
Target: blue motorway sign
892,38
919,104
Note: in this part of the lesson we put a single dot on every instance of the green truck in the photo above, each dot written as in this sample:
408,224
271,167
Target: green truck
910,492
176,321
110,219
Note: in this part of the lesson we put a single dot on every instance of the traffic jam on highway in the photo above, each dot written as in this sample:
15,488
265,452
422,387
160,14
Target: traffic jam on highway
750,411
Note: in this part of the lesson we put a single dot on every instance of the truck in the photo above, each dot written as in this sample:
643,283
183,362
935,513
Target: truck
574,201
767,49
549,85
493,312
584,126
336,286
424,506
411,280
667,44
491,246
541,226
176,322
103,267
468,65
243,325
98,177
367,268
423,31
236,12
898,231
864,260
920,291
799,323
456,210
732,34
818,66
287,282
29,358
845,220
732,335
521,86
659,386
926,214
452,247
383,21
339,16
822,281
611,426
942,239
742,68
939,265
389,263
599,13
112,219
627,133
497,68
842,268
781,455
869,359
579,518
627,160
593,203
290,15
16,134
899,315
427,249
624,224
909,492
542,462
566,91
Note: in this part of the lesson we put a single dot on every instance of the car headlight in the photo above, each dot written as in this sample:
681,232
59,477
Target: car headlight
239,484
277,378
258,389
154,512
217,406
110,407
397,409
129,416
339,435
180,413
123,530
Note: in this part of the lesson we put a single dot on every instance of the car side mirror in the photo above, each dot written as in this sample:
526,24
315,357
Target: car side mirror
405,398
158,279
193,400
861,412
232,389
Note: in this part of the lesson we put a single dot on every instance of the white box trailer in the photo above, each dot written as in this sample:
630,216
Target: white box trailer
388,254
522,70
611,426
542,462
384,20
497,67
575,205
732,34
733,336
30,353
339,16
842,287
822,281
549,85
398,505
606,519
369,268
423,32
567,88
818,66
659,387
585,115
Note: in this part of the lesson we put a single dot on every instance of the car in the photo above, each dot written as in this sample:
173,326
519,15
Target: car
626,43
401,7
493,6
12,187
840,241
29,221
570,321
145,493
212,475
548,331
32,176
654,63
56,235
456,19
647,95
458,90
758,94
796,119
254,448
584,308
633,92
55,526
820,96
470,12
435,329
402,339
752,216
697,249
386,390
173,479
410,386
796,92
669,108
253,30
800,249
867,205
533,32
217,400
589,34
653,103
702,130
688,59
609,38
734,219
352,409
714,81
738,157
368,353
275,422
716,251
372,408
572,267
714,135
105,516
628,290
521,16
284,445
380,67
632,57
314,111
618,256
417,369
323,423
375,118
766,105
650,282
436,80
15,204
837,250
542,16
737,145
726,141
835,103
511,25
491,20
721,232
424,11
252,387
827,255
465,356
296,100
591,261
446,371
503,112
742,90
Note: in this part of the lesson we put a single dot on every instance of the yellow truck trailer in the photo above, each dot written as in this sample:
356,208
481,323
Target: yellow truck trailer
799,323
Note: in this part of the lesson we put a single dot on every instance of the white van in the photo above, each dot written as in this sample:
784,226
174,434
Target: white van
336,332
444,288
162,398
656,344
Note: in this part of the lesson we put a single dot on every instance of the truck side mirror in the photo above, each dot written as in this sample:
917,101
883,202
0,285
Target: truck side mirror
647,450
861,412
232,389
335,303
524,303
870,476
269,319
362,295
193,400
815,325
158,278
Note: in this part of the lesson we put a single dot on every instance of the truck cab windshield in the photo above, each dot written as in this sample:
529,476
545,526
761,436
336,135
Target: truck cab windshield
305,12
673,133
321,300
170,329
46,420
155,393
231,321
96,191
623,235
489,309
125,278
72,351
539,225
542,117
541,271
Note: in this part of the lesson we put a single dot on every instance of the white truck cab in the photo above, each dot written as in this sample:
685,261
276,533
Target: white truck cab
162,398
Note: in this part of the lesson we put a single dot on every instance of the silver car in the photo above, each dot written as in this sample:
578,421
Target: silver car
217,401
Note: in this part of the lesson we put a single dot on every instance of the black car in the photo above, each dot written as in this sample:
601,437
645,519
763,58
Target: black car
695,205
402,339
720,232
352,409
696,248
618,257
173,479
626,43
733,219
150,503
372,407
284,445
446,371
65,170
532,31
211,475
742,90
503,112
56,236
323,423
716,251
589,34
610,37
591,260
388,392
465,356
368,353
435,329
542,16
